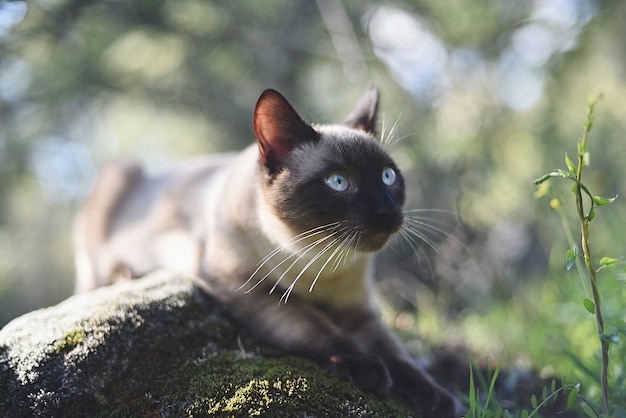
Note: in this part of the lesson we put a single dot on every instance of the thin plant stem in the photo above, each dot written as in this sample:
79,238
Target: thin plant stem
585,220
575,173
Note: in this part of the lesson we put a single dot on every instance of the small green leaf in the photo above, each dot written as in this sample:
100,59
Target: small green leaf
589,305
571,398
621,326
591,215
608,261
570,164
533,401
472,393
603,201
541,179
555,173
570,258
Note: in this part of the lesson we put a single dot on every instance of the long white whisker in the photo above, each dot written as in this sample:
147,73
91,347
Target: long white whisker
340,252
345,240
393,130
429,221
409,238
396,140
443,211
425,226
420,224
298,256
343,255
382,131
412,238
287,292
307,265
298,238
416,233
301,237
386,138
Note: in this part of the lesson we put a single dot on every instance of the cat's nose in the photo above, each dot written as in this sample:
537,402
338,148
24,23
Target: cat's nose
390,218
387,213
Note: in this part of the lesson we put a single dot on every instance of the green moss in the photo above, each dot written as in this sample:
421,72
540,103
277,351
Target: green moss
289,386
71,339
225,384
259,395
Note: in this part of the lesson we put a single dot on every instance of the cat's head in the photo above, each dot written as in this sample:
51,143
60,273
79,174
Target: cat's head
328,178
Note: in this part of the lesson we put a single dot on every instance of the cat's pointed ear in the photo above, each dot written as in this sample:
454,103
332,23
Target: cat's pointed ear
363,116
278,129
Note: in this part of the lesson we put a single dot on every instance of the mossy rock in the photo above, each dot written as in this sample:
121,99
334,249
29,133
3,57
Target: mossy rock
159,346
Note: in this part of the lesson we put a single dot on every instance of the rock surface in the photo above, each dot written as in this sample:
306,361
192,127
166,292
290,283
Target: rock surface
159,346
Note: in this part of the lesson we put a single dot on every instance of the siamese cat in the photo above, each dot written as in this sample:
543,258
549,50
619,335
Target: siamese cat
282,233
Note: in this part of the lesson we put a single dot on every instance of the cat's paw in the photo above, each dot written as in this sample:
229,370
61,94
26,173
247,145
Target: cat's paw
422,393
365,371
444,405
434,402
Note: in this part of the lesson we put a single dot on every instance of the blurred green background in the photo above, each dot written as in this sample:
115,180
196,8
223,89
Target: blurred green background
484,97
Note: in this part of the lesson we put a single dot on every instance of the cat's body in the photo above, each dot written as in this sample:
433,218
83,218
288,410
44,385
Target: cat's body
283,234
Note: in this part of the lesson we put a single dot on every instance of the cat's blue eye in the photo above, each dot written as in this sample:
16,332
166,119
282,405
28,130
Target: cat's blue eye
389,176
337,181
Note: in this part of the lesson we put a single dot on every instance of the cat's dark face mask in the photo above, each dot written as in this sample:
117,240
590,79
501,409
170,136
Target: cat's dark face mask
344,180
332,180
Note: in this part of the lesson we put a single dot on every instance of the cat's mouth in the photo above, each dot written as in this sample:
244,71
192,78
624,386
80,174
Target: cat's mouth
373,241
375,238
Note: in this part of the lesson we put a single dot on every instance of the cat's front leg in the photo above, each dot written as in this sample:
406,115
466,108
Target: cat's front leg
420,391
366,371
408,380
299,328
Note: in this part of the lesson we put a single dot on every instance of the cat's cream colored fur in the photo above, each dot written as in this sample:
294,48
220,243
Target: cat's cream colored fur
221,219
